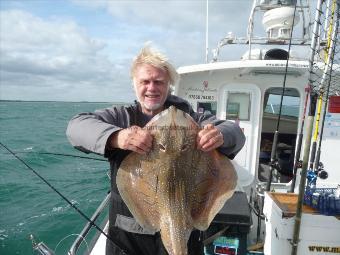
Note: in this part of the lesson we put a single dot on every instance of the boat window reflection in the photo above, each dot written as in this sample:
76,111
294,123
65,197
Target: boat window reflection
238,106
290,105
207,107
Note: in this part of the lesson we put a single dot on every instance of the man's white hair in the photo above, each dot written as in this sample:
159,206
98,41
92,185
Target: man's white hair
152,56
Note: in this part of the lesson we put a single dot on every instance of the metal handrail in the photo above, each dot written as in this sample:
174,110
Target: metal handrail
81,237
265,40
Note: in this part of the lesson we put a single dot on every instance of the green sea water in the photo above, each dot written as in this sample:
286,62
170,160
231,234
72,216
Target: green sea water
29,206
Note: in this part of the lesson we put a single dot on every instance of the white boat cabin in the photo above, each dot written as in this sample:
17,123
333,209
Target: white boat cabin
249,92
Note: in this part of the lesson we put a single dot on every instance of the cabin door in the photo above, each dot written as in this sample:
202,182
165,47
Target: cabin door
241,103
287,132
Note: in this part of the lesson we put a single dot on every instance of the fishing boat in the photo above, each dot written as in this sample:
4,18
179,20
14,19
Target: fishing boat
274,95
284,92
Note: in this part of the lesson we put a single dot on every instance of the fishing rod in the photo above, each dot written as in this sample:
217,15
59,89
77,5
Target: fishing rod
57,154
273,156
297,161
298,215
65,199
274,165
331,42
323,174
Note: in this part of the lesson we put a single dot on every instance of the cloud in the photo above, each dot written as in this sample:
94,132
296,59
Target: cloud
177,27
179,15
86,54
155,13
51,53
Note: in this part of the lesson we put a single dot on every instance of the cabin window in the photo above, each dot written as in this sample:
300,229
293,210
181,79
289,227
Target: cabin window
238,106
207,107
290,105
287,133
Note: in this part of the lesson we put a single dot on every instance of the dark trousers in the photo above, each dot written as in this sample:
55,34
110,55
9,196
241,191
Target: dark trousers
140,244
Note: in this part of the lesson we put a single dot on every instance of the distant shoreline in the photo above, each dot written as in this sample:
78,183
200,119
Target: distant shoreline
46,101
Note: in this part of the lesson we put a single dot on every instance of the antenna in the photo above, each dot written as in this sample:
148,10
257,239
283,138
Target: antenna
207,32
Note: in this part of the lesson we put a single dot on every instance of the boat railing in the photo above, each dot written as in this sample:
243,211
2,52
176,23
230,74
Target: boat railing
303,10
82,236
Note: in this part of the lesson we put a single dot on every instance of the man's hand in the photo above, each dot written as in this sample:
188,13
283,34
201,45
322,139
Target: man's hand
134,139
209,138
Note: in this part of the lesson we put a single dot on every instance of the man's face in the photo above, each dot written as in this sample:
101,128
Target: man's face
151,87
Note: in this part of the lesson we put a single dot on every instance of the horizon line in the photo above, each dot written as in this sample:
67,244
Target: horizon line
60,101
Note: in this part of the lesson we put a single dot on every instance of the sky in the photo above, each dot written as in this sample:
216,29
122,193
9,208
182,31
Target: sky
81,50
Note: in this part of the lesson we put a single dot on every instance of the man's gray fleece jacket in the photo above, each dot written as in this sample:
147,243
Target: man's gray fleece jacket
89,132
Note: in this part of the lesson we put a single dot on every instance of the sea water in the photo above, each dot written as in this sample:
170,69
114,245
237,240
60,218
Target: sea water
29,206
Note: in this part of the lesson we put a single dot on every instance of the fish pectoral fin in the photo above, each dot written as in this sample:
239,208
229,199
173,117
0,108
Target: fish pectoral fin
139,192
215,184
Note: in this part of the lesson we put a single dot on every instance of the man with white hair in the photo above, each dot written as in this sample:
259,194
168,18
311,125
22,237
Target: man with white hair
115,132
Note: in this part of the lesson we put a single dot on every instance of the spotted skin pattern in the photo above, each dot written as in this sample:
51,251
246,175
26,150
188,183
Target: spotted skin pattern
175,187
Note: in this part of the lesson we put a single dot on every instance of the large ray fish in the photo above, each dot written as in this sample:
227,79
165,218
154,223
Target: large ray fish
175,187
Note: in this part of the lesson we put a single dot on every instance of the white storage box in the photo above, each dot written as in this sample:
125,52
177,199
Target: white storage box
319,234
